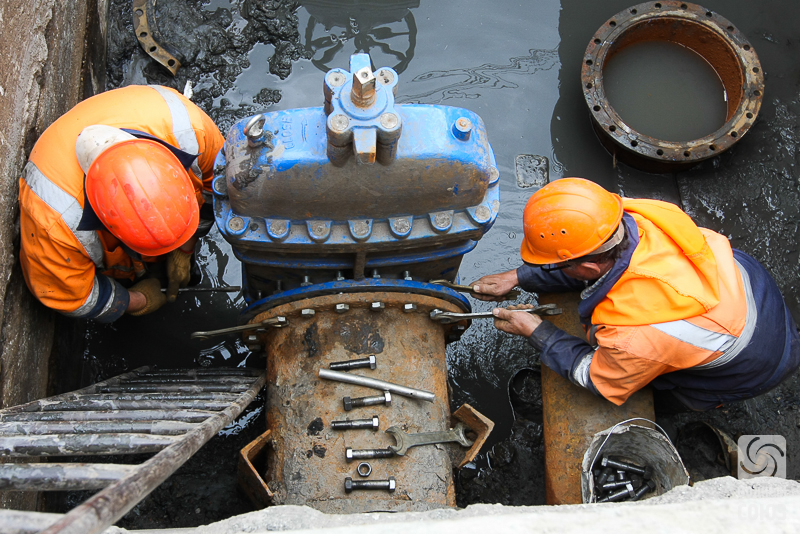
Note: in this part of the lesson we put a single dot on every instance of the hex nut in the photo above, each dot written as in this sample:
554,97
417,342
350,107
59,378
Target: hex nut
364,469
308,312
377,306
408,308
341,308
387,397
376,423
348,454
252,338
348,485
373,362
348,403
392,484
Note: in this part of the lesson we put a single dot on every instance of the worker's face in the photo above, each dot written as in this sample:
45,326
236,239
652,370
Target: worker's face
588,270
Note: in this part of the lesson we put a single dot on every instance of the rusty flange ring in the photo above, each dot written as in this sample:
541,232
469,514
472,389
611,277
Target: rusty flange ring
706,33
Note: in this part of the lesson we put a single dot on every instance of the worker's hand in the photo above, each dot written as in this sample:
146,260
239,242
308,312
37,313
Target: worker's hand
521,324
150,289
494,286
178,265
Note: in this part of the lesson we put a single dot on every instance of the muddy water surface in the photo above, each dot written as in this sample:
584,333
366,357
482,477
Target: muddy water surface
516,64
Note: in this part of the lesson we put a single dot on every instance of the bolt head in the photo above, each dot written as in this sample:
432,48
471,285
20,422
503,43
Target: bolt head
348,404
236,224
336,79
373,362
389,120
308,312
339,122
377,306
348,454
341,308
348,485
408,308
392,484
387,398
252,338
376,423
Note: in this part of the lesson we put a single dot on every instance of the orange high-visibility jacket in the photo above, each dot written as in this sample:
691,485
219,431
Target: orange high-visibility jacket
69,269
681,290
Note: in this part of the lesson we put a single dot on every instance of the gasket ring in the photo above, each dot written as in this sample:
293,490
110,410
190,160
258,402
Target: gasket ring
705,32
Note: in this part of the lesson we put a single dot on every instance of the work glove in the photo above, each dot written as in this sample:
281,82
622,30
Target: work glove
151,289
178,266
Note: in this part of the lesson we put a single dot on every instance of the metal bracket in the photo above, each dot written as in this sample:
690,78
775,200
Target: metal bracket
249,480
144,24
478,423
275,322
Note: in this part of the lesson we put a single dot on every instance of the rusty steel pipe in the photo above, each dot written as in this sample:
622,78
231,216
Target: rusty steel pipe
307,461
573,415
703,31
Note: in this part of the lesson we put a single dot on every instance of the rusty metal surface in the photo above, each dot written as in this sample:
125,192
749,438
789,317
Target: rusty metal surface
573,415
252,455
146,28
306,464
705,32
477,422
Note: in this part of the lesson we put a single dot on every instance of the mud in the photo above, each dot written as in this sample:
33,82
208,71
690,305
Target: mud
518,66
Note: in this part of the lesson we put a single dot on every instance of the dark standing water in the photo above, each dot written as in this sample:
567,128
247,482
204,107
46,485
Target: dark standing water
517,64
665,90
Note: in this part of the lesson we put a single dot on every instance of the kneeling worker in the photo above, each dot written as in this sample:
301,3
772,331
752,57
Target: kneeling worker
115,183
664,302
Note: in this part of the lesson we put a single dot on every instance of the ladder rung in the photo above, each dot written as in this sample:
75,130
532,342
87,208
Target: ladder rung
187,416
153,380
82,444
156,388
29,428
19,522
91,404
60,477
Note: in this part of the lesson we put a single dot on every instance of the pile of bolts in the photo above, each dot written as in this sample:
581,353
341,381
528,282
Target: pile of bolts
364,469
617,480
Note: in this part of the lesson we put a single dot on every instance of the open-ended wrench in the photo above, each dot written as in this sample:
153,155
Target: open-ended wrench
511,295
275,322
405,441
453,317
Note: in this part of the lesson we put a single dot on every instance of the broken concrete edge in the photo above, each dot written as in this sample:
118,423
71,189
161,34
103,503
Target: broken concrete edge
721,505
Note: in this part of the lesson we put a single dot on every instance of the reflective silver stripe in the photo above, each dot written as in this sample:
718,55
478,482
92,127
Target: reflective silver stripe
712,341
581,375
112,299
66,206
91,302
181,126
749,325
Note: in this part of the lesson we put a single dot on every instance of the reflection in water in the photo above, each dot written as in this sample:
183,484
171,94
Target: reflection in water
385,30
471,82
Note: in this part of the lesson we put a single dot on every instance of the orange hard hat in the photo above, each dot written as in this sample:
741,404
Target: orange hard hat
567,219
143,195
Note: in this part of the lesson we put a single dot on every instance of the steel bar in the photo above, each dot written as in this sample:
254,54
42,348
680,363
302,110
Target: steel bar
60,477
19,522
156,396
37,428
188,416
374,383
92,404
82,444
107,506
237,388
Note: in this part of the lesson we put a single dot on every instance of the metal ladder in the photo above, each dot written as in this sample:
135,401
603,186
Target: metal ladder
170,412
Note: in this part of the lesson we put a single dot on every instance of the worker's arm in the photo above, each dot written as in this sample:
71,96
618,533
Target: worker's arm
530,278
607,370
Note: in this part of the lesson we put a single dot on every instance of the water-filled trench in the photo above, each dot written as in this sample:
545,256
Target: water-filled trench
516,64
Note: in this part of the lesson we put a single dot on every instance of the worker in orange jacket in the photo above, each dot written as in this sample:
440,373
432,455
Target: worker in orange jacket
114,184
663,302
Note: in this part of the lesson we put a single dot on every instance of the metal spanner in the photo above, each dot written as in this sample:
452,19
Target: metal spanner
275,322
453,317
405,441
511,295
